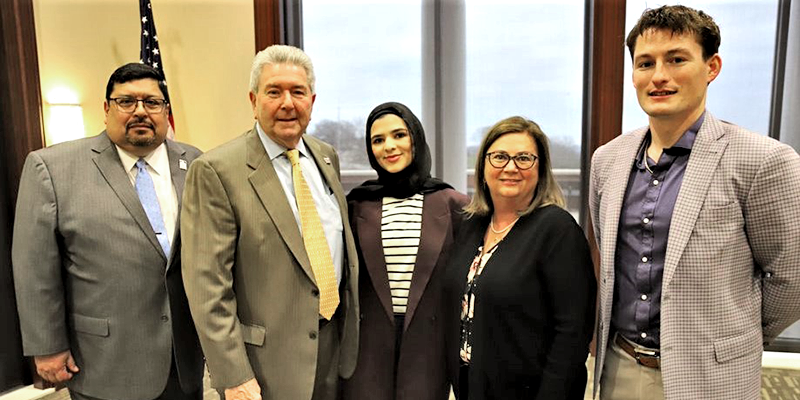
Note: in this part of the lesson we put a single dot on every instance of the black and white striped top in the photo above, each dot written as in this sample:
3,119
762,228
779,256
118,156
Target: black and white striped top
401,224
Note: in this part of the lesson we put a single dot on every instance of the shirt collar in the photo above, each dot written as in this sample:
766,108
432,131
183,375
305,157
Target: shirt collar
158,159
687,140
682,146
275,150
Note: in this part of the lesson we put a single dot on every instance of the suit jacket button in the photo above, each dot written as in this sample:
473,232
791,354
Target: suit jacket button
315,292
164,318
312,335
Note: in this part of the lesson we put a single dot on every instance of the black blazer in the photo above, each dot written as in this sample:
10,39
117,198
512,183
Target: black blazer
420,373
534,309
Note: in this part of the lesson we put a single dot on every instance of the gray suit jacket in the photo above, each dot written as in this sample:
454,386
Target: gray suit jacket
248,278
732,270
91,277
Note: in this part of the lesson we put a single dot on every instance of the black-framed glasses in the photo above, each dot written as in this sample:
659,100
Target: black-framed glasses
499,159
129,104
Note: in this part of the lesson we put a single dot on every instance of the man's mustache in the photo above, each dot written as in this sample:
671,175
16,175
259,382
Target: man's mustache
139,123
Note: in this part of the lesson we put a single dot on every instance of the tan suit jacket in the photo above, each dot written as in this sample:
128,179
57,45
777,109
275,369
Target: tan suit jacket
732,270
248,278
92,278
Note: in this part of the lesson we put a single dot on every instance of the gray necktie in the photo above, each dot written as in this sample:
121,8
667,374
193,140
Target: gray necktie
147,195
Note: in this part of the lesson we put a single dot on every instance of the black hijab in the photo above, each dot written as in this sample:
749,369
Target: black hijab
415,178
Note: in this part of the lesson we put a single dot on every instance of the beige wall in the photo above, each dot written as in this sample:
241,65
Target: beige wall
206,48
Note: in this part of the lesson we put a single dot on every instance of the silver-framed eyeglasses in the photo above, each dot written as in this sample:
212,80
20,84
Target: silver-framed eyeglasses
499,159
129,104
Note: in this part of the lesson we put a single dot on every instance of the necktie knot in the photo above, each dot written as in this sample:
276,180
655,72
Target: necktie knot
141,164
294,156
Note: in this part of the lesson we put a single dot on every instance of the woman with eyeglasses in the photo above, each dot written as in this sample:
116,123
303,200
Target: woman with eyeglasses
523,276
404,223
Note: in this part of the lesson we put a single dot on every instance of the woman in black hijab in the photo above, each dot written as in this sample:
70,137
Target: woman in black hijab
404,223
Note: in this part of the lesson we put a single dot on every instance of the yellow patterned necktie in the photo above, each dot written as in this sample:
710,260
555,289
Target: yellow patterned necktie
314,239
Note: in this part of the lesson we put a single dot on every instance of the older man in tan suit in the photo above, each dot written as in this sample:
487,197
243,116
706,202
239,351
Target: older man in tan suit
698,222
270,264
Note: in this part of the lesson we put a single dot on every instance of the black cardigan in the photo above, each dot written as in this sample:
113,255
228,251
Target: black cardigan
534,309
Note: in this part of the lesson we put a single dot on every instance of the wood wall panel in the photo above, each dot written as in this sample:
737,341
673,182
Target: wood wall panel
269,27
20,133
608,68
605,49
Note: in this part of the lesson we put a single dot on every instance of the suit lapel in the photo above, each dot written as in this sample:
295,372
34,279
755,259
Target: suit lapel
107,161
705,156
329,173
268,188
177,159
176,155
369,236
614,195
435,224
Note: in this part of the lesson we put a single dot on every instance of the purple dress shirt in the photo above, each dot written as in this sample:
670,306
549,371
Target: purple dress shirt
642,240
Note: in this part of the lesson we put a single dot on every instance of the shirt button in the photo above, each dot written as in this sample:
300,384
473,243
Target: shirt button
643,335
644,259
655,182
644,297
646,220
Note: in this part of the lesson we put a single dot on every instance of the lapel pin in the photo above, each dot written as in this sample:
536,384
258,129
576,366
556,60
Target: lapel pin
182,164
327,160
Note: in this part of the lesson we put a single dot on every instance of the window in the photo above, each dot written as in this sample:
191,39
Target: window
365,53
526,58
522,58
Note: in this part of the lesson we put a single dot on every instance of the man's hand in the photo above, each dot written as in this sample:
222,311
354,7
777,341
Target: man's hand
246,391
57,367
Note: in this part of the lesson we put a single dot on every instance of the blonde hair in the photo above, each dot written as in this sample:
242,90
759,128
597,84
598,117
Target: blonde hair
547,191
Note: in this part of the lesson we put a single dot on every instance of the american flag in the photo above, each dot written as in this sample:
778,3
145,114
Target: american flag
149,52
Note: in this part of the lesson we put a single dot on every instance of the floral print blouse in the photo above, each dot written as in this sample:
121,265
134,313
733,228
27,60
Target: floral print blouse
468,301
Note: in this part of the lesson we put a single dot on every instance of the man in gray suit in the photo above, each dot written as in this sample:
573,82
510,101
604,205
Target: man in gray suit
697,221
96,254
275,321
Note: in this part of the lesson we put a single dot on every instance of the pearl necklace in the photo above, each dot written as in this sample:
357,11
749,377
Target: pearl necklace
491,226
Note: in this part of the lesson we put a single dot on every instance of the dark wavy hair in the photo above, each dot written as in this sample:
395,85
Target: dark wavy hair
678,20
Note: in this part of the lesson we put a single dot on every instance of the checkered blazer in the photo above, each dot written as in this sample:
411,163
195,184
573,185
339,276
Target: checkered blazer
732,269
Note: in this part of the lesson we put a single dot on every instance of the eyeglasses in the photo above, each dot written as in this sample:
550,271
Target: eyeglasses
129,104
499,159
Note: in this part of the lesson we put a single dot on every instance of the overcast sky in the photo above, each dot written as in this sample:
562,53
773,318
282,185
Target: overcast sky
523,57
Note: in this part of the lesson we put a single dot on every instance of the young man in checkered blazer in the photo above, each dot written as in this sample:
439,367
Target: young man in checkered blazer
698,225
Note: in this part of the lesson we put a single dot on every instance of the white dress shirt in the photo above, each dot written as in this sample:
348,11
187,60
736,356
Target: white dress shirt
324,200
158,167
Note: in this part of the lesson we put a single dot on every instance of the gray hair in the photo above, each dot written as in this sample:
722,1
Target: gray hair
281,54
